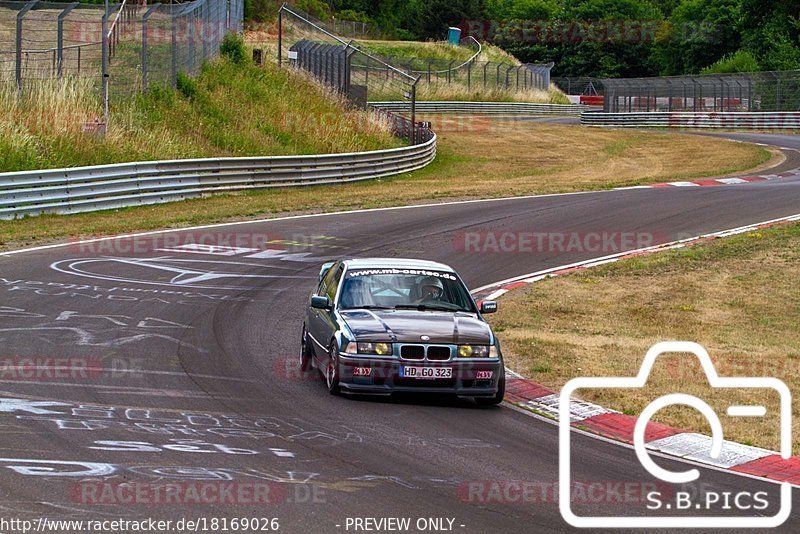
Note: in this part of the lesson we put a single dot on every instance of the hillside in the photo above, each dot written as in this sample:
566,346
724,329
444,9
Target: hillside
229,110
437,50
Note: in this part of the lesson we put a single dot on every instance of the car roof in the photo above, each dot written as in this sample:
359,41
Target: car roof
396,263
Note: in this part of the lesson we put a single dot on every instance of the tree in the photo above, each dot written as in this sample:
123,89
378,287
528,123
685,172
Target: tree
699,33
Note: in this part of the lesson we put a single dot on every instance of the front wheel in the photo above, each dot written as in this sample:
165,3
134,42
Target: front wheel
498,397
305,352
332,371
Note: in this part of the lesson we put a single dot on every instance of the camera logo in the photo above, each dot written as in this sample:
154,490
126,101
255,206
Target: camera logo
691,475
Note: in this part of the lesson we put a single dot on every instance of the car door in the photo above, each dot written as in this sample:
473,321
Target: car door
328,324
318,324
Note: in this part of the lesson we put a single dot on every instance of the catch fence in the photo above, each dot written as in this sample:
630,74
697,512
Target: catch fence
750,92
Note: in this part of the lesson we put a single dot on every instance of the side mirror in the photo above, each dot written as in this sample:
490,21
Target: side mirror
488,306
320,303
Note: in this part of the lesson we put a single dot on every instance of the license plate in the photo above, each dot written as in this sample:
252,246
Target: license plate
425,373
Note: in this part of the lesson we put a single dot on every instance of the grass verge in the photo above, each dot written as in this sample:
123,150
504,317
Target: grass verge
230,110
736,296
477,158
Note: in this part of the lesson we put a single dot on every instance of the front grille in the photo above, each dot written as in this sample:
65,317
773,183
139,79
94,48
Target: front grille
412,352
438,353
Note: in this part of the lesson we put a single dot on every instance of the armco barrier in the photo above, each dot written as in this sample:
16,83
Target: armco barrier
133,184
513,108
722,120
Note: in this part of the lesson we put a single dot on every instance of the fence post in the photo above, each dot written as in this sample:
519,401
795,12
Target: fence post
414,112
191,26
174,47
280,37
104,65
18,45
204,24
145,20
60,37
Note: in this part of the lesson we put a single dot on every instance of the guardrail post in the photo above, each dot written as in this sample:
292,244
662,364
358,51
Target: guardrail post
60,38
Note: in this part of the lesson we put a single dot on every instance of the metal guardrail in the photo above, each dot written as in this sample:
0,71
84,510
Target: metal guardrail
133,184
483,107
720,120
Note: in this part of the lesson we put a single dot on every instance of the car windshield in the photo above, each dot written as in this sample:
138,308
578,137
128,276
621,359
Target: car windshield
420,289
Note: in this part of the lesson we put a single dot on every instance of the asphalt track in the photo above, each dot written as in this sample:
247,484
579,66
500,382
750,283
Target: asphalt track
184,344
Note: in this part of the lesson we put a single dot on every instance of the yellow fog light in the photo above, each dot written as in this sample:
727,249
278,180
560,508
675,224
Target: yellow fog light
379,349
464,351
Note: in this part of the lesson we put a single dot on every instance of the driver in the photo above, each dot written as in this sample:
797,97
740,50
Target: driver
430,289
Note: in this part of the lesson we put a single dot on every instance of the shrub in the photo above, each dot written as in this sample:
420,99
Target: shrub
741,61
232,47
186,85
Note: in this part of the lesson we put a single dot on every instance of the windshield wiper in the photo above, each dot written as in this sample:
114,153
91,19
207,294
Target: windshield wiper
369,308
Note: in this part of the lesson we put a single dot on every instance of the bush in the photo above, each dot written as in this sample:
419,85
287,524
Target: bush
741,61
186,85
233,48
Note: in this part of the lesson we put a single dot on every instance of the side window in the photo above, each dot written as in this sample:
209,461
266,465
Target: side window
333,283
326,281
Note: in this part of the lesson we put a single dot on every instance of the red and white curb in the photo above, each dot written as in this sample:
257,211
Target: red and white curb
677,442
717,181
610,424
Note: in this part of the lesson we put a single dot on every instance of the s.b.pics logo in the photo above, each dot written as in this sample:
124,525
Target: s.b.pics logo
690,502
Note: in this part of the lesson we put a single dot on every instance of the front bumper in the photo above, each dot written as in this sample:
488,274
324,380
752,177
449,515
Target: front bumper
384,377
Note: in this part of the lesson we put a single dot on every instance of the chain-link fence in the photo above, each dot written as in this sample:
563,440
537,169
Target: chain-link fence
760,91
579,86
474,74
131,45
309,44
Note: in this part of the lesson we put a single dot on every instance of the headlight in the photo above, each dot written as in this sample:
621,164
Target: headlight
477,351
379,349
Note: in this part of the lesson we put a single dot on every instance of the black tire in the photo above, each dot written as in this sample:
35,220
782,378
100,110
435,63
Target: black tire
498,397
306,356
332,371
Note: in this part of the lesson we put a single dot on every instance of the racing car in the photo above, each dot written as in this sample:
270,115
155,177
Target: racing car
380,326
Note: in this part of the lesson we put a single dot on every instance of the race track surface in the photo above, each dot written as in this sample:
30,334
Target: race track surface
192,353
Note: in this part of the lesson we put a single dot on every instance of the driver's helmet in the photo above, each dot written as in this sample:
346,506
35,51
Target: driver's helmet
431,288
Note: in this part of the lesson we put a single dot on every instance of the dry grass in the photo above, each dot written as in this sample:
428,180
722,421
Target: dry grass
461,92
737,297
477,158
235,111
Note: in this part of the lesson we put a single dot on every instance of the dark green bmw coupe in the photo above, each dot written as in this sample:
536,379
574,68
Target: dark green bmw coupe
378,326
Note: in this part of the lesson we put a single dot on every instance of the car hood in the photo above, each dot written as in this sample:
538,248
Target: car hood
406,326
